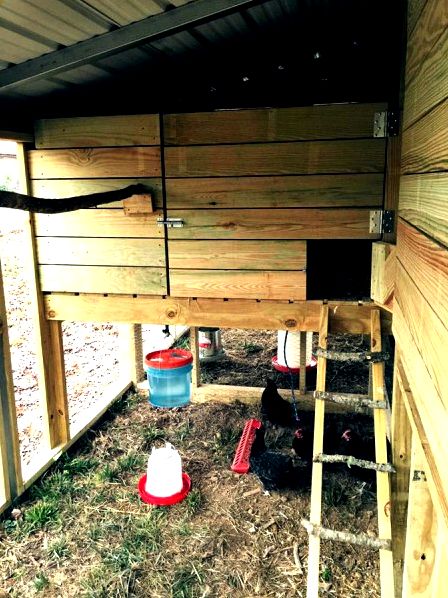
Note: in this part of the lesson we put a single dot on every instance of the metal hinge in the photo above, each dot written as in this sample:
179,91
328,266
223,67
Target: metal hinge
170,222
381,221
386,124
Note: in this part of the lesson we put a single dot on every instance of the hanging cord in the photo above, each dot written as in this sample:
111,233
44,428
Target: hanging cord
291,378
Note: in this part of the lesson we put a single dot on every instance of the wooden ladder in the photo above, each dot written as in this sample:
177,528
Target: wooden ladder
378,404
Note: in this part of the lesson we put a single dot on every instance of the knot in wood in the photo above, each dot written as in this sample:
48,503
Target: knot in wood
171,314
291,323
51,313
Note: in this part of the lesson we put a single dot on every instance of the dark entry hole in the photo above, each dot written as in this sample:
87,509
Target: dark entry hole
339,269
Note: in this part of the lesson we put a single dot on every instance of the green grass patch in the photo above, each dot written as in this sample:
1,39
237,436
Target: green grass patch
41,582
187,582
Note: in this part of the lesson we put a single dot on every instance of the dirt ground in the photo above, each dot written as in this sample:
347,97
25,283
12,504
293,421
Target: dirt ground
83,530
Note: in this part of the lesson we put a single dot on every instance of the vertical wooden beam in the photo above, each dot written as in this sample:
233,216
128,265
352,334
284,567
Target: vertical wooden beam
10,463
401,459
49,348
316,480
421,548
382,478
194,347
131,354
392,182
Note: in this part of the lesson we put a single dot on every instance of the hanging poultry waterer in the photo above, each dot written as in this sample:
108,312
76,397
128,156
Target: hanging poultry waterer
169,377
164,482
210,345
287,359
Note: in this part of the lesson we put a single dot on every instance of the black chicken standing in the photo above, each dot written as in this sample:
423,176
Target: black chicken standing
274,469
274,408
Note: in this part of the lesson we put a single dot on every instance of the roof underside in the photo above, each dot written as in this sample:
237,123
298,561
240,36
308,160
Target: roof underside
76,57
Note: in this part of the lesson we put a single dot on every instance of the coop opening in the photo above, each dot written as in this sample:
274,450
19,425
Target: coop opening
339,269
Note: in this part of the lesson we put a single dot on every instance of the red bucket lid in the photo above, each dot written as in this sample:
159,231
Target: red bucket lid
168,359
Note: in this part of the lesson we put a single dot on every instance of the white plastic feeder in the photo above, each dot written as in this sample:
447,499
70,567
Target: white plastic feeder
288,357
164,482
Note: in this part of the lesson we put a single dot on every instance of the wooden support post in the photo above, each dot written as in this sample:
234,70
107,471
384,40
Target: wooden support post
318,445
401,459
131,354
194,347
49,352
382,478
10,464
422,532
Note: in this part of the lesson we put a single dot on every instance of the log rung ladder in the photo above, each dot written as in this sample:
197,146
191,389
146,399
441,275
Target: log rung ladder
359,403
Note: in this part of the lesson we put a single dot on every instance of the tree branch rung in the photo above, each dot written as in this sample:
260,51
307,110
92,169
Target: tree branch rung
359,403
349,460
359,539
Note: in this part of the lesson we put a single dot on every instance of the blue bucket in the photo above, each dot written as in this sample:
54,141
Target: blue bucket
169,377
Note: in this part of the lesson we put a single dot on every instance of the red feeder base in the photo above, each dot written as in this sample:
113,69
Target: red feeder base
282,368
163,501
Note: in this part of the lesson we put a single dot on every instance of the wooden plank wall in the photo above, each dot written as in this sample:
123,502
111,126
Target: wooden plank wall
420,322
252,185
100,250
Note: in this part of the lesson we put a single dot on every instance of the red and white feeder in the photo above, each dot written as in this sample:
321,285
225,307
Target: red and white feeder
210,345
287,359
164,482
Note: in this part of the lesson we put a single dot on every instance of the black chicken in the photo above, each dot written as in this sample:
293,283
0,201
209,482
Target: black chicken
274,408
302,443
274,469
352,443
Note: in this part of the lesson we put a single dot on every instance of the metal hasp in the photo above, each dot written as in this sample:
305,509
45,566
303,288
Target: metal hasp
381,221
386,124
170,222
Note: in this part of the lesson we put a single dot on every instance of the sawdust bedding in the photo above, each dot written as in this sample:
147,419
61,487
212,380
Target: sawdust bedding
229,538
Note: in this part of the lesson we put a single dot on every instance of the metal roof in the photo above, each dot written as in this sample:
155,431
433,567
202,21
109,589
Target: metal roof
89,56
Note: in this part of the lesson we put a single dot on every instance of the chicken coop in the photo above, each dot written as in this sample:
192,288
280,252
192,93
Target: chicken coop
292,163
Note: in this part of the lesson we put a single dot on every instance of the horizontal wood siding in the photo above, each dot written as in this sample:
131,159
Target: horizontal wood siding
420,322
273,224
306,157
102,279
313,191
248,183
98,131
238,255
121,162
271,124
100,250
238,284
54,188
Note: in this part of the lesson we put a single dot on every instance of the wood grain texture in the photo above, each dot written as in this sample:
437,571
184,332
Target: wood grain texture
440,499
307,157
121,162
383,274
238,255
276,191
54,188
238,284
426,262
273,224
102,279
317,468
100,252
425,143
415,8
381,456
271,124
423,203
401,432
97,223
392,182
234,313
429,405
432,22
421,546
98,131
429,85
429,332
